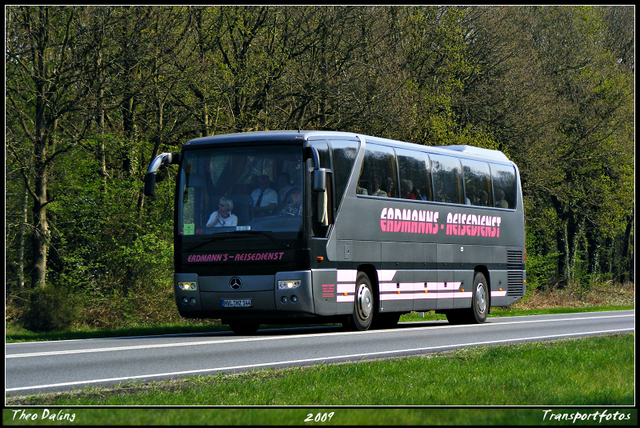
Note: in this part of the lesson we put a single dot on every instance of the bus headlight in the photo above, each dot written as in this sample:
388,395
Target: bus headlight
288,284
187,286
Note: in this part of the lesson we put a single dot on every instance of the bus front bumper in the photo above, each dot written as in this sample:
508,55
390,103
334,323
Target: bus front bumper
284,294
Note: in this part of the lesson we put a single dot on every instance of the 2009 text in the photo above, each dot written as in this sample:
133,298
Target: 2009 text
319,417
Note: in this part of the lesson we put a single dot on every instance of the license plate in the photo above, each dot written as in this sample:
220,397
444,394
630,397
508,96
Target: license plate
236,303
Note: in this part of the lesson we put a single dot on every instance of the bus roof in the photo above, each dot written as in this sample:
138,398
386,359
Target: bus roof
299,136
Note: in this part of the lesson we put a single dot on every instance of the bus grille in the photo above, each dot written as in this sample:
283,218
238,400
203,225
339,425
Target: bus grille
515,286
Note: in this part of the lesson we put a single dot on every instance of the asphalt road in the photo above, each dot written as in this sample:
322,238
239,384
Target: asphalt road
63,365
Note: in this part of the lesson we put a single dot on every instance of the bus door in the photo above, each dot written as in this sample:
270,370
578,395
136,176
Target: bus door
320,205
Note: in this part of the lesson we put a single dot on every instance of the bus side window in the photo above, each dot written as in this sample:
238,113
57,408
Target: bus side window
477,183
379,175
343,153
446,175
415,172
504,186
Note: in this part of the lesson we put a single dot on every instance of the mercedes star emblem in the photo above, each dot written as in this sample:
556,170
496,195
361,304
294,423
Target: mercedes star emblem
235,283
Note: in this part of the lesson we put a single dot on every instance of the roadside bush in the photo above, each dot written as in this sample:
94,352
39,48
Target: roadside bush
48,309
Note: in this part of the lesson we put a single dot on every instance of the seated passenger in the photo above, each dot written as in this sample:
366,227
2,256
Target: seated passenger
407,190
362,190
265,199
223,217
390,188
377,191
500,201
284,188
294,208
483,198
441,194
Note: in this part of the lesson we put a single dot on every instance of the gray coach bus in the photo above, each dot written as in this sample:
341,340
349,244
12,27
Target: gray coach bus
341,227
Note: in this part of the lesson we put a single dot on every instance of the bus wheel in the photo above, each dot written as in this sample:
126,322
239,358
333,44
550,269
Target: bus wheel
384,321
480,300
244,327
363,308
458,316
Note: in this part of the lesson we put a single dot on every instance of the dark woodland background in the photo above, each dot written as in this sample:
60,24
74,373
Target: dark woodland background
94,93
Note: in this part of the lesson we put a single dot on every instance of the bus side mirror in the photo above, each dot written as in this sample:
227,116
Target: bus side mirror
320,180
150,178
150,184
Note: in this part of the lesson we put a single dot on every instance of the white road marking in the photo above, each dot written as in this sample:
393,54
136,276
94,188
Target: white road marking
288,337
309,360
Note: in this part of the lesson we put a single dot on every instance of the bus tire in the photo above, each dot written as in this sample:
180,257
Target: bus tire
480,299
384,321
458,316
243,328
363,306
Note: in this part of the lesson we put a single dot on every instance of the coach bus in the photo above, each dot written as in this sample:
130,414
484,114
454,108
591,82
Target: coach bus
281,226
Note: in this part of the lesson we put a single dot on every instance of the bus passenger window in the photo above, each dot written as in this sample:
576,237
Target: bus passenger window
477,183
415,175
504,185
446,175
379,172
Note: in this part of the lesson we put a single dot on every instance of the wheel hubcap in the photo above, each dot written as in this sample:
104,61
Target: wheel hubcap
364,301
481,298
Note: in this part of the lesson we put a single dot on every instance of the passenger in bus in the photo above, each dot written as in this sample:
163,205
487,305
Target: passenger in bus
265,199
470,195
441,194
390,188
377,191
294,207
407,190
361,188
419,196
483,198
223,216
500,201
424,193
284,188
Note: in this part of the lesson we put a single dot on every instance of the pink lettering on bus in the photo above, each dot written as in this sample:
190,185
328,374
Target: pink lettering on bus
394,220
409,221
473,225
239,257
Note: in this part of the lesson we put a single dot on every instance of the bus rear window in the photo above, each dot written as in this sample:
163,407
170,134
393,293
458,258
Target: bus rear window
477,183
504,186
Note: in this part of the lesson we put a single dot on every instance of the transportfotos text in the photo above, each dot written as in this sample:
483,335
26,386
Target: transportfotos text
426,222
597,416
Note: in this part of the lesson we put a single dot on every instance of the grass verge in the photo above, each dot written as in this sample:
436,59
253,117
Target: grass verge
573,372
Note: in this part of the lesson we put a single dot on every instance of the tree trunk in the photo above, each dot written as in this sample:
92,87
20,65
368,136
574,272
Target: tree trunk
23,228
40,237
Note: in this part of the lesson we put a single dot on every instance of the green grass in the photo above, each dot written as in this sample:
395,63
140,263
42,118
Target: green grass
339,416
590,372
574,372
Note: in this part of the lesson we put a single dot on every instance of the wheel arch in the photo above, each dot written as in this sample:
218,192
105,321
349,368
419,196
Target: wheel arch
372,273
485,271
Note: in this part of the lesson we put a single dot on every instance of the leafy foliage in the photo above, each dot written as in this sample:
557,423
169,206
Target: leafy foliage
95,92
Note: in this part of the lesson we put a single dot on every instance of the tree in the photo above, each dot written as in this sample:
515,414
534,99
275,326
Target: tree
45,65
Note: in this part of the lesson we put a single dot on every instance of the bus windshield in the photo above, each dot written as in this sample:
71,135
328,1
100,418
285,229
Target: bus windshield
236,189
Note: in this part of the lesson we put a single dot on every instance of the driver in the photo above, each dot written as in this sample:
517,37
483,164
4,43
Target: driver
223,216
